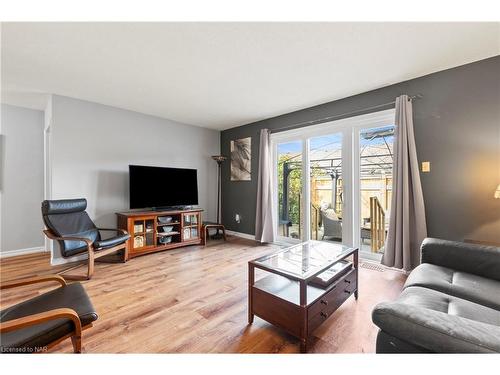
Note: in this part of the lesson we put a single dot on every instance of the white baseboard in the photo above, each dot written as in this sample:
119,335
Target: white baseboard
242,235
30,250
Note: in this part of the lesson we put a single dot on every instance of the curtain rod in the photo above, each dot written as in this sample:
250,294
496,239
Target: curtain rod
326,119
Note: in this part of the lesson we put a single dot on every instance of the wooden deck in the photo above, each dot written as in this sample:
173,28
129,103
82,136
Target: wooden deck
194,300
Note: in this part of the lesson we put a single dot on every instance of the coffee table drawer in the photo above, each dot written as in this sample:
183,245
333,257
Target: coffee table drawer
329,303
346,282
350,281
316,320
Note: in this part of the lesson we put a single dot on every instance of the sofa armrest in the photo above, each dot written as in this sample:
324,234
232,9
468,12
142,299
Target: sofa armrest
476,259
436,331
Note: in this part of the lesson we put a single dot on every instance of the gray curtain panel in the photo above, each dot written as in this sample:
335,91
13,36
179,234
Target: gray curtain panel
407,226
264,220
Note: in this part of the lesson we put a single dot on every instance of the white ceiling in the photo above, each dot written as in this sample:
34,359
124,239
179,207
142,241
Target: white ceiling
221,75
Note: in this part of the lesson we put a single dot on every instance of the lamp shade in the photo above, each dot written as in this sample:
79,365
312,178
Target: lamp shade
497,192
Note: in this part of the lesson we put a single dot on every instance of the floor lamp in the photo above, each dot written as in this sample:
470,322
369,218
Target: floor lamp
219,159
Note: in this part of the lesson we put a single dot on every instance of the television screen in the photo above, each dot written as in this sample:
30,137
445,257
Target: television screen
162,187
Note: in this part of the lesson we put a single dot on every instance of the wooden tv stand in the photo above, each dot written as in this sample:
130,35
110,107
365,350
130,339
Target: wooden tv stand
146,230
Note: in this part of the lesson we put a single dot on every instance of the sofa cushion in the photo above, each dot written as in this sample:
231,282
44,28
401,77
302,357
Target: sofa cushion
456,283
439,322
466,257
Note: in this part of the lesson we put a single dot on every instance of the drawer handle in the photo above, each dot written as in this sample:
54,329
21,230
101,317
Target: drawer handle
324,314
324,302
347,281
347,291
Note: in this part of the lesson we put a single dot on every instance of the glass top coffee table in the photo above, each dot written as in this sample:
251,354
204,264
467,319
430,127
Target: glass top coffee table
304,285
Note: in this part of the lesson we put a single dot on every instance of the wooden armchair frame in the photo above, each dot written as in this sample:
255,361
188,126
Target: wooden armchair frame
91,252
29,320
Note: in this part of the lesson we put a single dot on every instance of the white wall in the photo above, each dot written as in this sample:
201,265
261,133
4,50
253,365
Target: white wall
21,180
92,145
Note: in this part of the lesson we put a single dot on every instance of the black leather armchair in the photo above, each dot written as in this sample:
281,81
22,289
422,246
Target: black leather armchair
36,325
69,224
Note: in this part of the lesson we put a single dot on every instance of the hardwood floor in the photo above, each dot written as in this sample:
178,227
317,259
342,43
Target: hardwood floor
194,300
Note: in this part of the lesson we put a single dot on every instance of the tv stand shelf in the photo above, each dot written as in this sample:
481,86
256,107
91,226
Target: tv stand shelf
147,231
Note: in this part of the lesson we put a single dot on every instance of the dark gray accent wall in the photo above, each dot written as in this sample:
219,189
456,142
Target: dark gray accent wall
457,129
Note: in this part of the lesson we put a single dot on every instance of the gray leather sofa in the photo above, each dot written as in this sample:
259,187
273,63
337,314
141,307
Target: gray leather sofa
450,303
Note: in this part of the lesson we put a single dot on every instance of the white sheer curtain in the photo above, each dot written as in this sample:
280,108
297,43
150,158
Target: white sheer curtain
407,226
264,220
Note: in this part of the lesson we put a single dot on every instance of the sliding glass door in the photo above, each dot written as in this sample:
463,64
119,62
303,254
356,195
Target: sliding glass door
326,183
289,182
312,207
375,182
334,182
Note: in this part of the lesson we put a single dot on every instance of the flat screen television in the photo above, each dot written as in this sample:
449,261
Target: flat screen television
158,187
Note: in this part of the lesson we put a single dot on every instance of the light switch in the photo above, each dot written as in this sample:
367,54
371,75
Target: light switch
426,166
